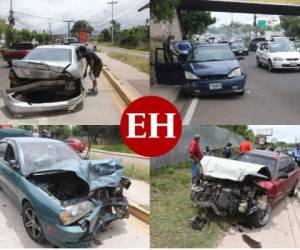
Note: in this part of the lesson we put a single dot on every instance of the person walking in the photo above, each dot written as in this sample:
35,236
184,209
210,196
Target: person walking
168,49
227,152
245,146
196,156
95,64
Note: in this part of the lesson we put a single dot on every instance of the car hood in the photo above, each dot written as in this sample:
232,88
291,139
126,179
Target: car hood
286,54
221,168
213,68
96,173
39,69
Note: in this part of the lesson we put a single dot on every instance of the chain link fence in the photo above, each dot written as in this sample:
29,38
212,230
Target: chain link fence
212,136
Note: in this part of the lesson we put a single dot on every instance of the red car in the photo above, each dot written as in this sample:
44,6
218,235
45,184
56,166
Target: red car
18,53
76,144
285,173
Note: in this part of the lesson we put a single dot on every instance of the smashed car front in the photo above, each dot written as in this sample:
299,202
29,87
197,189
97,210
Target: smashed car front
52,70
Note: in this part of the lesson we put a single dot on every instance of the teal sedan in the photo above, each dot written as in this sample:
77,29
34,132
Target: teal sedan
64,199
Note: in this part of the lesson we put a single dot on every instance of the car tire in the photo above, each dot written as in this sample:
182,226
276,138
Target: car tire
32,225
260,218
270,66
184,92
293,191
258,63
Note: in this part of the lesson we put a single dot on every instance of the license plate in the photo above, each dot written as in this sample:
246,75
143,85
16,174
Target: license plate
36,73
214,86
241,51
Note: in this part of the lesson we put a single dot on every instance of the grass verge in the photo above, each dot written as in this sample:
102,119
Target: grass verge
121,148
143,48
140,63
172,208
137,172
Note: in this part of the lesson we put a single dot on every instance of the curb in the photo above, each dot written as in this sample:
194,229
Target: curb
139,212
119,154
126,96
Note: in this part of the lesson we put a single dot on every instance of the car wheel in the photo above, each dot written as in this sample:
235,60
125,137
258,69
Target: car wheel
258,63
32,224
270,66
184,92
261,217
9,63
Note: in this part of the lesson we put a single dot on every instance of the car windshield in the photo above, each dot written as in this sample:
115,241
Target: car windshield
208,54
258,159
39,156
237,45
50,54
281,47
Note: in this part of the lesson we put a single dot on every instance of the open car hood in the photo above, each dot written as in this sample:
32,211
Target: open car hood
221,168
96,173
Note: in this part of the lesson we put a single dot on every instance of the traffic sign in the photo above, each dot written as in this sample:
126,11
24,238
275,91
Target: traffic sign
262,24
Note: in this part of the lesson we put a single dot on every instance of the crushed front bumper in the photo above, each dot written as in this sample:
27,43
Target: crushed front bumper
81,234
21,108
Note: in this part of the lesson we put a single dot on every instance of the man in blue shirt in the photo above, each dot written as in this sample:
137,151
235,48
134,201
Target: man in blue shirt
183,48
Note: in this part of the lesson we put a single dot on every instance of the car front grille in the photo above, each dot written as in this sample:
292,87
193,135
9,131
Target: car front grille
213,77
292,59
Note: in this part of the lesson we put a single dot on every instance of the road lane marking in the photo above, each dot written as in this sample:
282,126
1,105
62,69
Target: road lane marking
190,112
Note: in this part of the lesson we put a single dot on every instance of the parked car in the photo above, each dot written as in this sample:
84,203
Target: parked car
250,185
256,42
49,78
14,132
63,199
209,70
17,53
239,48
76,144
278,55
70,40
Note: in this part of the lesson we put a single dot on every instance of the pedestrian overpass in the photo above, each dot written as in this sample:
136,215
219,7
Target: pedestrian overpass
270,7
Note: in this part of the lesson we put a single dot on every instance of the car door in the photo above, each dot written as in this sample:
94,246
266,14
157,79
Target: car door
284,185
3,184
10,176
261,53
169,68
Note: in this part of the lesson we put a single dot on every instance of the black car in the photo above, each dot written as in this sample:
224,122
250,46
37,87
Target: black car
239,48
254,43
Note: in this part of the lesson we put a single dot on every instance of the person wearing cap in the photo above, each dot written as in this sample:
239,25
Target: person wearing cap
196,156
245,146
183,48
95,64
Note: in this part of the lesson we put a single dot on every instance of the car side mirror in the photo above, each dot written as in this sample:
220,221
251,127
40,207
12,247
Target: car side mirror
14,164
282,175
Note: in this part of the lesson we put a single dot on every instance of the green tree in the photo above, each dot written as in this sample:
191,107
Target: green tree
242,130
105,36
194,22
81,25
164,10
291,25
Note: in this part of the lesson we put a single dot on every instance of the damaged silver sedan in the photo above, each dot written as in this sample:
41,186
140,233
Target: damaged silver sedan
49,78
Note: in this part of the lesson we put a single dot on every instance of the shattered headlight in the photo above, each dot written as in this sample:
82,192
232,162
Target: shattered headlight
190,76
73,213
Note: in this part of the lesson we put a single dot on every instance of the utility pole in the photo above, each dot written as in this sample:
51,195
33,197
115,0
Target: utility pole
255,25
112,19
69,21
11,18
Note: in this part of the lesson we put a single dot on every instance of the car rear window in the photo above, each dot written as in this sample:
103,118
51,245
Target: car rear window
24,46
209,54
258,159
50,54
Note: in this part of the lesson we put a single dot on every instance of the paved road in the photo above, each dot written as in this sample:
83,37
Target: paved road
282,231
127,233
271,98
106,108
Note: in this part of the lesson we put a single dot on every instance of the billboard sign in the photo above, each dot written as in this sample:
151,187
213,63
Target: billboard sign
83,38
264,131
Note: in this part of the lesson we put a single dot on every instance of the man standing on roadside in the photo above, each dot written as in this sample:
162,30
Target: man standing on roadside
245,146
95,64
196,156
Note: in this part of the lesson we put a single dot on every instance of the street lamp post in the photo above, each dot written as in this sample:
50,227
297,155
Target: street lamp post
112,19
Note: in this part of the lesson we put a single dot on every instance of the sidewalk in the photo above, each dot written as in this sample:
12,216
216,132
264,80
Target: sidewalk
136,80
139,192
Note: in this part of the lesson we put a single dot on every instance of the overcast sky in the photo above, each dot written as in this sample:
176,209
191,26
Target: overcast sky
286,133
225,18
98,12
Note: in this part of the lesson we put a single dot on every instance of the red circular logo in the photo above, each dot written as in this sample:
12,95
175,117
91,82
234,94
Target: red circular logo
151,126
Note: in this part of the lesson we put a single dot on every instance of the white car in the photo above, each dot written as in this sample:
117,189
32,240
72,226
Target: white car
278,55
